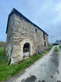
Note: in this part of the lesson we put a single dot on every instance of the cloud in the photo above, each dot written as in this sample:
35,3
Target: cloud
45,13
57,10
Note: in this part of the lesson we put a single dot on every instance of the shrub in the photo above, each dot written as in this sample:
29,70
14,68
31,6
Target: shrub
56,50
60,46
2,44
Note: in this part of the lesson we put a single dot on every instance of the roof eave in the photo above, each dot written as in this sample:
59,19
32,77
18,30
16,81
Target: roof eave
17,12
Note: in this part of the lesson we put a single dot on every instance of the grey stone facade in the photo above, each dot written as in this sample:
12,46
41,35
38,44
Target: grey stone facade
24,38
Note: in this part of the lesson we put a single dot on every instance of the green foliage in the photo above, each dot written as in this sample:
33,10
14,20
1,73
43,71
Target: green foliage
1,51
56,50
60,46
50,47
6,71
2,44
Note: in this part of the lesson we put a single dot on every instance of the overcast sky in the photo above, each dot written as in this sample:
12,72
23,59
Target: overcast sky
45,13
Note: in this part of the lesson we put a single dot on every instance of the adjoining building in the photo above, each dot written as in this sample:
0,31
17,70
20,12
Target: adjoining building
58,42
24,38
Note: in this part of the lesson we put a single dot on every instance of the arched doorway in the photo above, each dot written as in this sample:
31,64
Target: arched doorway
26,50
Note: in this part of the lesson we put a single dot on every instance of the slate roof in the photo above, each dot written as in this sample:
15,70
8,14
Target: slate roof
18,13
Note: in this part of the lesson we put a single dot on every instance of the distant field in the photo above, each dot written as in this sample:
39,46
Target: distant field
2,57
7,71
2,44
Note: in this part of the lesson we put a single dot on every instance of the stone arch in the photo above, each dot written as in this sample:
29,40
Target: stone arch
29,46
26,50
26,47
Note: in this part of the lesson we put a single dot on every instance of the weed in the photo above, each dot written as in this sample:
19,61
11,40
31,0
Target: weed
56,50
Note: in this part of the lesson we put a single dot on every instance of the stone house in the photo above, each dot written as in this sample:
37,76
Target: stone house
24,38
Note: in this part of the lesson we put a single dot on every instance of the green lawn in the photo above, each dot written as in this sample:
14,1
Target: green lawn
56,50
6,71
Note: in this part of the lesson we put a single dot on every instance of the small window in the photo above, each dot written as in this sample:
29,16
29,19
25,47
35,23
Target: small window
35,30
44,36
44,44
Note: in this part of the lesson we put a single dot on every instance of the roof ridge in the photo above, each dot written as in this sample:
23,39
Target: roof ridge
17,12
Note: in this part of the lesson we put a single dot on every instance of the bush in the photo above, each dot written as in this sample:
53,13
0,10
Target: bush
56,50
2,44
60,46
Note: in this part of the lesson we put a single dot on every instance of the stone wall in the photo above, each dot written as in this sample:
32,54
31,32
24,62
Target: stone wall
9,39
20,32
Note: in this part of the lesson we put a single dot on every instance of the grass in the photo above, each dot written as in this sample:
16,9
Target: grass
60,46
6,71
56,50
1,51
